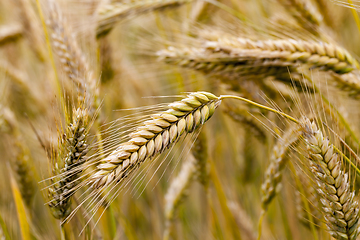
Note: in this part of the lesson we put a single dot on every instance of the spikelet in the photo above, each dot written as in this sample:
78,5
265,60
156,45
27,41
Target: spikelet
341,210
278,162
73,148
177,191
110,14
10,33
154,137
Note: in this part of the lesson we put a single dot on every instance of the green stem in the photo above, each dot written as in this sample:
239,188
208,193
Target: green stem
260,224
260,106
356,16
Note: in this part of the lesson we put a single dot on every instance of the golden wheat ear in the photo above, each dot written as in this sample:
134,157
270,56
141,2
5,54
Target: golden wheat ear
154,136
341,210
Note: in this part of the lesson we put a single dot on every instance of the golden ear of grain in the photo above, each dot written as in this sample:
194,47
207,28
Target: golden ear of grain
72,59
236,58
155,136
278,162
341,210
68,165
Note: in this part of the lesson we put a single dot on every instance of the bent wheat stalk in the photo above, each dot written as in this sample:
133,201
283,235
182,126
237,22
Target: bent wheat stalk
341,210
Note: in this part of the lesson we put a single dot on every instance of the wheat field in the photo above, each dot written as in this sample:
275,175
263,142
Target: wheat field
179,119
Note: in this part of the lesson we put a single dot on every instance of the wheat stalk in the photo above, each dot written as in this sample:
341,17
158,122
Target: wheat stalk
110,14
341,210
155,136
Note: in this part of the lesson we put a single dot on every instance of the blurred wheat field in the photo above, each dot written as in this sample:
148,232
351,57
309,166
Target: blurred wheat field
179,119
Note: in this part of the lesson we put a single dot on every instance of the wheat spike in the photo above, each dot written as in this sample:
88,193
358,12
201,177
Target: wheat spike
237,58
341,210
110,14
154,136
72,155
278,162
10,33
73,61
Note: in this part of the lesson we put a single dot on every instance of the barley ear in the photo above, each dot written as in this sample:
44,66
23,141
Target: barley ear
67,167
341,210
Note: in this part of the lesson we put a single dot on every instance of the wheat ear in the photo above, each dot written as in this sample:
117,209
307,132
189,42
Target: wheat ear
10,33
72,60
278,162
156,135
110,14
73,148
341,210
236,58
